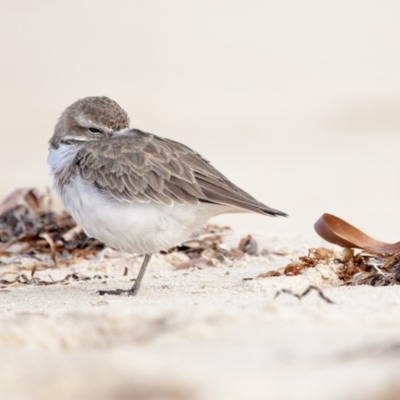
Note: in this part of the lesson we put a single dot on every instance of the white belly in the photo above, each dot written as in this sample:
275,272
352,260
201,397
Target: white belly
143,228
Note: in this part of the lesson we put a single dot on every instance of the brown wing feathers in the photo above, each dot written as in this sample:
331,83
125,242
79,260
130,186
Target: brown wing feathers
142,167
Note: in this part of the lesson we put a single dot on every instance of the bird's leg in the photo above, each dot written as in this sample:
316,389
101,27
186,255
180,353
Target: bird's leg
133,291
135,288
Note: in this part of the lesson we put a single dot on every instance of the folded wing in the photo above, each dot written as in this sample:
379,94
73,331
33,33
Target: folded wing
142,167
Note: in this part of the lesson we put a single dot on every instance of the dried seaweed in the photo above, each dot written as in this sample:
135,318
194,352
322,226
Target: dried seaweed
208,248
28,226
25,280
351,266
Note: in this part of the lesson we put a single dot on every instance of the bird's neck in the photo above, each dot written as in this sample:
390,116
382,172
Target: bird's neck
60,160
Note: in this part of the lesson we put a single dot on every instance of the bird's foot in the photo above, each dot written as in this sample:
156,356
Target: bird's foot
133,291
130,292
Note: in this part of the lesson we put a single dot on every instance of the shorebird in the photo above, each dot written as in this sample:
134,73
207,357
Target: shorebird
132,190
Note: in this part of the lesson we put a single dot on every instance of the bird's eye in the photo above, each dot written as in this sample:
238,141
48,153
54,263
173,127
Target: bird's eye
95,130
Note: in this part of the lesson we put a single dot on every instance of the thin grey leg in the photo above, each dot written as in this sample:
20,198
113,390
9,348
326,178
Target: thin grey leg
136,286
133,291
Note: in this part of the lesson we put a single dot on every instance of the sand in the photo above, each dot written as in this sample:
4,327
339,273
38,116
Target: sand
295,102
199,333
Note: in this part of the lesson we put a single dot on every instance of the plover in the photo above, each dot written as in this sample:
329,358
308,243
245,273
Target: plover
132,190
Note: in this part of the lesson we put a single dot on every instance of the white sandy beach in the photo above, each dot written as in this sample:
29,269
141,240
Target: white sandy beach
297,103
200,333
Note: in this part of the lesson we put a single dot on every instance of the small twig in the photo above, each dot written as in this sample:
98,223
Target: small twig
52,246
384,275
305,293
8,244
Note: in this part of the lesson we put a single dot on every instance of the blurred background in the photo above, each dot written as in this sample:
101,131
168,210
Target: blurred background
297,102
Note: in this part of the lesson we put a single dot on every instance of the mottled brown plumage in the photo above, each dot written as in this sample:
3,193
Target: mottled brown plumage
139,166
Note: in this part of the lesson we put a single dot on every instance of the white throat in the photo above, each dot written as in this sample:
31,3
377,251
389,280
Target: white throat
60,162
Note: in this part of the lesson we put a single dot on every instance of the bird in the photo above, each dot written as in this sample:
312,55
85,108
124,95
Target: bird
132,190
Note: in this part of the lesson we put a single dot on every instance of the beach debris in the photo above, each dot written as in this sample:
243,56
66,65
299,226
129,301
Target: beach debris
317,256
205,249
351,266
305,293
337,231
23,279
363,260
314,257
248,245
29,226
377,264
209,249
269,274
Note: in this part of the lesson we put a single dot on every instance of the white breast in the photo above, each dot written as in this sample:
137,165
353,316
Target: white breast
143,228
